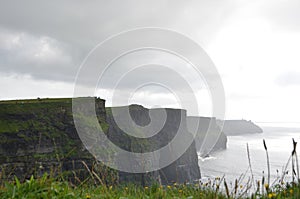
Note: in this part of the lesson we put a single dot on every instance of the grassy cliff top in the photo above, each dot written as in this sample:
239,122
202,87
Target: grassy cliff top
42,100
38,100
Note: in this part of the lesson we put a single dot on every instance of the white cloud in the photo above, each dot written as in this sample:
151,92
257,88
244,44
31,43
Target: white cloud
15,86
253,57
289,79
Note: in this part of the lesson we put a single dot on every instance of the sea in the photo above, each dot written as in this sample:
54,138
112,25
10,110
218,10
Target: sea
233,163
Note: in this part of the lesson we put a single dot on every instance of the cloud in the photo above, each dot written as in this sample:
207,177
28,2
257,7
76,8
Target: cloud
284,14
41,57
56,36
288,79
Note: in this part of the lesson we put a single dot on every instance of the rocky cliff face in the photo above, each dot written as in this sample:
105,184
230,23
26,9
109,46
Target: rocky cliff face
240,127
38,136
209,135
184,169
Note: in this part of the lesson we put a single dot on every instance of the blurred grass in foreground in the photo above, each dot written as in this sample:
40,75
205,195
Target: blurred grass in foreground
47,187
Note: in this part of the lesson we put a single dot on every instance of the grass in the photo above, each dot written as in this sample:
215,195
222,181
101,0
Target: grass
50,187
47,187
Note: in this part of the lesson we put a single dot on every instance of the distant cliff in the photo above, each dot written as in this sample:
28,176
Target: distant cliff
184,169
240,127
209,135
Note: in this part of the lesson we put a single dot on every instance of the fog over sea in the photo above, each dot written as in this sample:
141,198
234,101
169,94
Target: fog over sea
233,162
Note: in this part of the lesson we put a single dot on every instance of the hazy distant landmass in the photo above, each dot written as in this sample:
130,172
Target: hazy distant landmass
240,127
281,129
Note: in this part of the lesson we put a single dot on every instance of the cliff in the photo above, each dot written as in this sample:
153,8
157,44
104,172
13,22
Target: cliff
184,169
39,135
209,135
240,127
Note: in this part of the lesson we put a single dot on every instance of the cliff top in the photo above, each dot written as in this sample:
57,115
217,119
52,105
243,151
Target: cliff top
43,100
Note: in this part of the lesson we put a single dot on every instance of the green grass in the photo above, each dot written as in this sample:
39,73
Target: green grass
46,187
49,187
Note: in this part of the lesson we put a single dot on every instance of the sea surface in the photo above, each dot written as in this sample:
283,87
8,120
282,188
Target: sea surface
233,162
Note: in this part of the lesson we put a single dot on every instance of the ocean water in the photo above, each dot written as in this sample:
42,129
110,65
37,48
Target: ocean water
233,162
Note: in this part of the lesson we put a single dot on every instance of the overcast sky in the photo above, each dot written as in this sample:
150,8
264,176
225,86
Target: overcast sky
255,46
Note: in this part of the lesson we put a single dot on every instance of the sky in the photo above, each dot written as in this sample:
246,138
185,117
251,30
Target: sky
254,45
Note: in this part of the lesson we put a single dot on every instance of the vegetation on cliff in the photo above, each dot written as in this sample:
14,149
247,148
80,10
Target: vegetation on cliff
39,136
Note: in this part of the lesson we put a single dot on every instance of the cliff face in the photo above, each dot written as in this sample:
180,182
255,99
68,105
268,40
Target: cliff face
240,127
38,136
209,136
184,169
